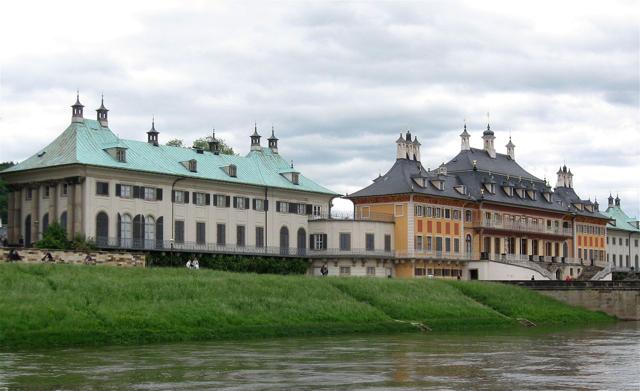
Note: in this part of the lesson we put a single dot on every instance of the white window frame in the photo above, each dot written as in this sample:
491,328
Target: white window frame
317,210
149,193
318,241
201,199
302,209
259,204
284,207
126,191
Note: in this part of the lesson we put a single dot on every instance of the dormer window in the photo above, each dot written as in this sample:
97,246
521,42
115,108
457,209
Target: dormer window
520,193
438,184
490,187
589,207
508,190
547,196
193,165
419,181
461,189
121,155
531,194
578,205
295,178
231,170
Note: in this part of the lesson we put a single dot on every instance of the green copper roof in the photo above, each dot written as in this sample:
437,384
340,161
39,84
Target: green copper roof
86,143
622,221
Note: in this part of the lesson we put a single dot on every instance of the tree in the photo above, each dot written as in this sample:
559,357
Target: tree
3,193
54,238
176,142
203,143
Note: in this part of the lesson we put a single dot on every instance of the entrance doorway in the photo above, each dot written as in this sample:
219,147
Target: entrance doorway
473,274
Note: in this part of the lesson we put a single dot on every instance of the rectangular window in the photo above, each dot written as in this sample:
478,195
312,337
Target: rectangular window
102,188
429,244
636,242
456,245
317,210
419,272
259,204
398,210
283,207
318,242
387,243
428,212
447,213
418,244
46,192
365,212
447,245
371,271
259,237
221,234
438,244
240,240
370,242
65,189
345,241
240,203
468,216
419,210
437,213
200,199
456,214
149,193
200,233
345,270
179,228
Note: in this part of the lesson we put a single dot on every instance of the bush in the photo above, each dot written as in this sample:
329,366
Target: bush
54,238
80,243
233,263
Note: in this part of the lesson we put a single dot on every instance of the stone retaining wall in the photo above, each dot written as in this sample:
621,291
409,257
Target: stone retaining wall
109,258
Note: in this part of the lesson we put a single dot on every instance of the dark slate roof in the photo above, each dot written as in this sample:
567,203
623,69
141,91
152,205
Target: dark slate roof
398,180
502,164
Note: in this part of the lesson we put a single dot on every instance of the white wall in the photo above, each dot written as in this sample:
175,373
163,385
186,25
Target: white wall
488,270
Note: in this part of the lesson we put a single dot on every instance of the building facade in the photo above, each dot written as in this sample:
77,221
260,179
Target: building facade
482,216
623,237
144,195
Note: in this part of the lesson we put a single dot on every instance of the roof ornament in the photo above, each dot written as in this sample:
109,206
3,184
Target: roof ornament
475,165
291,163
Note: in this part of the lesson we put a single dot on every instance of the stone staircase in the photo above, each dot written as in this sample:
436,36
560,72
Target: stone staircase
588,272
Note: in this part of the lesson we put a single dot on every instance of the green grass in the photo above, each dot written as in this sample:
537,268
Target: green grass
64,305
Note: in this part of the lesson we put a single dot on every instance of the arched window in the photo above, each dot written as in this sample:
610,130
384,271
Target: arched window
468,246
102,229
149,232
138,231
126,233
27,231
302,241
159,232
637,262
63,220
565,249
45,223
284,240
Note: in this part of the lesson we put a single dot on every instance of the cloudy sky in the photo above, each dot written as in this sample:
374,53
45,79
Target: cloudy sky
339,80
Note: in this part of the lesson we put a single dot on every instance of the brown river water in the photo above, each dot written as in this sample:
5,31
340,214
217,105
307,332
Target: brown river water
597,358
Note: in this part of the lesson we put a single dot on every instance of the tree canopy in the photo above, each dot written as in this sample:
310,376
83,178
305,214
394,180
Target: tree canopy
3,193
202,143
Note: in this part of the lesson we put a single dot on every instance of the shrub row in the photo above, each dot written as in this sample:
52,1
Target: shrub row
232,263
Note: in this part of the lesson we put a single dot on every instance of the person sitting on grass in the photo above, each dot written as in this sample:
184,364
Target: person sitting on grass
195,264
188,264
14,255
47,257
88,260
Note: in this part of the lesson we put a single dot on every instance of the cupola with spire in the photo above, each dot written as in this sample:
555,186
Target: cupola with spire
102,114
464,139
488,138
76,110
511,149
565,177
273,141
617,201
152,134
255,139
214,144
610,199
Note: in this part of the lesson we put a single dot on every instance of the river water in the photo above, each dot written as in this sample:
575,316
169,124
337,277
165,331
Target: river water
606,358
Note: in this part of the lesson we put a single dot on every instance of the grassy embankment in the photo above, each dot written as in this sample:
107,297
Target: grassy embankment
62,305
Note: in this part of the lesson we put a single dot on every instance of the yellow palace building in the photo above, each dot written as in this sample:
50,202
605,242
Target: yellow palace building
482,216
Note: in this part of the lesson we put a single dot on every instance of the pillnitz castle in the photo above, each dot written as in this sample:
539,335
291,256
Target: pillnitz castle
478,216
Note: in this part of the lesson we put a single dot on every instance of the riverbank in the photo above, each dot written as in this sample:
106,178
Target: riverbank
65,305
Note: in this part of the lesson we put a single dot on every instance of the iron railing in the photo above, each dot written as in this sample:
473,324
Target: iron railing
436,255
371,216
524,227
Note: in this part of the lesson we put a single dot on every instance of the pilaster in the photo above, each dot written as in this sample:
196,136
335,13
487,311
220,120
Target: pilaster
35,215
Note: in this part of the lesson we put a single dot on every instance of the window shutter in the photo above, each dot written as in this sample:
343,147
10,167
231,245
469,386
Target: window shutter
159,230
173,196
311,242
293,207
118,189
266,205
324,241
208,199
186,197
278,206
159,194
246,202
215,200
193,197
235,202
309,209
253,206
227,201
136,191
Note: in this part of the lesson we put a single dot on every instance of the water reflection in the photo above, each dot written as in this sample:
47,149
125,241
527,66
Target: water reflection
601,358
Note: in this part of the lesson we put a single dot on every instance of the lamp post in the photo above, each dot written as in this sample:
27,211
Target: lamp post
171,249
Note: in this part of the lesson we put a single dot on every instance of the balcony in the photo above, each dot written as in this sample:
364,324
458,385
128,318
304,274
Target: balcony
352,253
435,255
525,257
523,227
372,216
